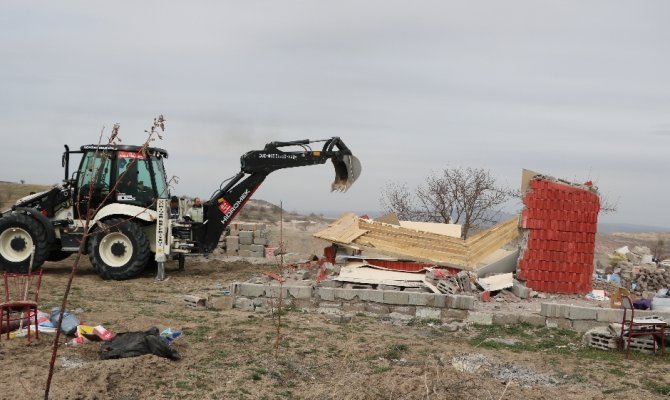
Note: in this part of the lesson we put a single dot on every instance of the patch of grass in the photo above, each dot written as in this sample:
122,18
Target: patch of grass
257,374
199,334
183,385
380,369
394,351
616,372
656,387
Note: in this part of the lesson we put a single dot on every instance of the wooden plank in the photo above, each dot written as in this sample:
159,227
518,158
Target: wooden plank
344,231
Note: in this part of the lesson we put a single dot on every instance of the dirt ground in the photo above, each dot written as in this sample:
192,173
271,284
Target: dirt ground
232,354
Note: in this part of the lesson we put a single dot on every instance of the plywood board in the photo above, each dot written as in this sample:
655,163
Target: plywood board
452,230
344,231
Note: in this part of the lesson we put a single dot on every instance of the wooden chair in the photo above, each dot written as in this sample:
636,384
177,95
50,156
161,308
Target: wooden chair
19,305
632,327
616,295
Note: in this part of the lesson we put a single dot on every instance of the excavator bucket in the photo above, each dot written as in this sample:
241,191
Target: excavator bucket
347,170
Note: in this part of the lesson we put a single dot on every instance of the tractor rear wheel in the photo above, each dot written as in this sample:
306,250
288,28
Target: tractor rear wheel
120,250
18,234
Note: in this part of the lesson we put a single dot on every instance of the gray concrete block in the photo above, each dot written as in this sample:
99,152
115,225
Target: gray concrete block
428,313
260,241
273,291
370,295
562,323
583,313
353,307
330,284
553,310
479,318
251,290
300,292
231,252
244,253
246,240
419,299
392,297
244,234
609,315
244,247
324,293
378,309
303,305
401,317
505,319
257,248
461,302
451,314
258,254
244,304
232,243
533,319
438,300
586,325
406,310
389,287
520,290
345,294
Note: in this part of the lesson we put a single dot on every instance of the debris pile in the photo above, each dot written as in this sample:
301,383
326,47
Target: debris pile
635,269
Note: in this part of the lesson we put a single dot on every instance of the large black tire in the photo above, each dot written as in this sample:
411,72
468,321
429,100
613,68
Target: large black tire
18,234
120,250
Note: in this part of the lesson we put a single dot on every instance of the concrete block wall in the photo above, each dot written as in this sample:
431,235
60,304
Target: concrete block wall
403,305
582,319
329,300
246,239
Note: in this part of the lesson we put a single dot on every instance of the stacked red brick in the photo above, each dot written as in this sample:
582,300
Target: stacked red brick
560,224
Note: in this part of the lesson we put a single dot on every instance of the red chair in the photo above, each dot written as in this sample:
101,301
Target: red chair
632,327
20,302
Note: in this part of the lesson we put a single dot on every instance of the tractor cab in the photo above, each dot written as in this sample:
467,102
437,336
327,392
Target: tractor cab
117,174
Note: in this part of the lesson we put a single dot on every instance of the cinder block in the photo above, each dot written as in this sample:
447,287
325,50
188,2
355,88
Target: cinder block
405,310
438,300
246,240
234,232
353,307
581,325
378,309
328,307
428,313
232,242
244,247
244,304
246,234
251,290
520,290
505,319
562,323
533,319
419,299
389,287
330,284
345,294
553,310
479,318
244,253
260,241
259,226
193,301
273,291
461,302
303,305
450,313
609,315
230,252
300,292
257,254
583,313
324,293
370,295
257,248
392,297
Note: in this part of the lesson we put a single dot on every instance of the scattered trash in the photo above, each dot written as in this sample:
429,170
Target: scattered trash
70,321
597,295
169,335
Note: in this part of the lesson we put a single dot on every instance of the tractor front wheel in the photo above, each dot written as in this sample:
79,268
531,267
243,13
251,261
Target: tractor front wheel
18,234
119,249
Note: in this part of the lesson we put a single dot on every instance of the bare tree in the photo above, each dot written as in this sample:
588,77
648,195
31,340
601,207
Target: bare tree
469,196
398,199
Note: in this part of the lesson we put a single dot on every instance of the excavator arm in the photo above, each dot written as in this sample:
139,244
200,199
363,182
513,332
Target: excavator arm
256,165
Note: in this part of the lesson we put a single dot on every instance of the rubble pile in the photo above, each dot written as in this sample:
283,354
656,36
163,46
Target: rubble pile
636,269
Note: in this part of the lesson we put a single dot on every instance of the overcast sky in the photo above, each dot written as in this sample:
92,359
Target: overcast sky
575,89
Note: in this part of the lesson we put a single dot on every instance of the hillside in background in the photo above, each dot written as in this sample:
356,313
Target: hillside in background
11,191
